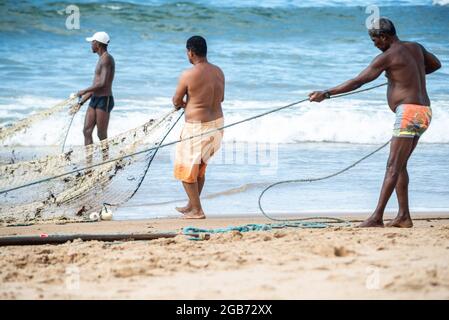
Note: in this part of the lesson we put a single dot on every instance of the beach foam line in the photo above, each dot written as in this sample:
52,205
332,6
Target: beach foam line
354,121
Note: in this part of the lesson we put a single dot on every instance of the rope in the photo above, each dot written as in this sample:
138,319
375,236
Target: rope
202,234
70,125
252,227
180,140
312,180
338,220
67,133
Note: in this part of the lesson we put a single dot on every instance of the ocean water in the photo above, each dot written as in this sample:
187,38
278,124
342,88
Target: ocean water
272,53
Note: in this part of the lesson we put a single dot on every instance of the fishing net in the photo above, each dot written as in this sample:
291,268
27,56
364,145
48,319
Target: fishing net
81,180
52,123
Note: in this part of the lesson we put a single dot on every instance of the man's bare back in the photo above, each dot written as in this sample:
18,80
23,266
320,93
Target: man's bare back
203,85
205,92
406,73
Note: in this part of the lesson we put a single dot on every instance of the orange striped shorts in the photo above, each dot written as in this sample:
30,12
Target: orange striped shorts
412,120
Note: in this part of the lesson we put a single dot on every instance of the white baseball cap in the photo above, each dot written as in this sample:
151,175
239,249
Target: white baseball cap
101,36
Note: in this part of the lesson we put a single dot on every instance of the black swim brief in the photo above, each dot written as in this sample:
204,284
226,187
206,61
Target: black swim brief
105,103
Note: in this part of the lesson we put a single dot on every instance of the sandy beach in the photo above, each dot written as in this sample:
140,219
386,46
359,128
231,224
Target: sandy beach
295,107
333,263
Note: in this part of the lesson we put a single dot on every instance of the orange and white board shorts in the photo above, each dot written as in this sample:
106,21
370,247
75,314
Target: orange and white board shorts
193,154
412,120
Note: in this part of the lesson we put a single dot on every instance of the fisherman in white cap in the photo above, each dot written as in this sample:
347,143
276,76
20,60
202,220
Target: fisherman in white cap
100,92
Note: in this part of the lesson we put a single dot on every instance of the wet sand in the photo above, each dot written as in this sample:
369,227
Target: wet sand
339,262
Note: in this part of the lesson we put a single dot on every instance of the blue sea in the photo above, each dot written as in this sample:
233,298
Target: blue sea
272,53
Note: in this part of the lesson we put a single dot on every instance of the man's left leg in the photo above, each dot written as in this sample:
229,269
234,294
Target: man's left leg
400,151
102,130
196,211
188,207
89,125
403,219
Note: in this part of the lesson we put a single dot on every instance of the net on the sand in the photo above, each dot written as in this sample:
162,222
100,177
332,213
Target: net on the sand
105,176
57,118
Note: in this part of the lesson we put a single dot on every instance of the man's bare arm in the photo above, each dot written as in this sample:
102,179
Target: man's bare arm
101,81
181,92
431,61
224,85
85,97
82,100
372,72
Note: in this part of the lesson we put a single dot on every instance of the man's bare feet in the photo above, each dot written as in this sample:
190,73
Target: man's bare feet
183,210
371,223
401,222
194,214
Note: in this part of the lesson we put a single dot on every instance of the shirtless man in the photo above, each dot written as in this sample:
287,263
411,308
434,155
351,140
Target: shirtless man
200,92
100,93
406,65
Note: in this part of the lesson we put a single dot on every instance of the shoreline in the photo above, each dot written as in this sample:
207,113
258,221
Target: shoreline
173,224
290,263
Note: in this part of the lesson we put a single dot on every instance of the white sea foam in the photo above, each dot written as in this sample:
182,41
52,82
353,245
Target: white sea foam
344,121
112,7
440,2
341,121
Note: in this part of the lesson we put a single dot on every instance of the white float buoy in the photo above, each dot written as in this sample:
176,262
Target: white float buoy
106,214
94,216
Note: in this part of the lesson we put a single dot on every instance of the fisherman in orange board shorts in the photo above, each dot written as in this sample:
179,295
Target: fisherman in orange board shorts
406,65
200,92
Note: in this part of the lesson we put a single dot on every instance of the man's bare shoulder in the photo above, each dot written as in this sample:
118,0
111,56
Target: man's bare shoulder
411,44
194,72
197,71
188,73
415,48
217,68
382,58
107,60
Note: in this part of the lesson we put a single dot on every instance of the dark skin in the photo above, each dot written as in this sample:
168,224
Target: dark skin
406,65
102,86
200,92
